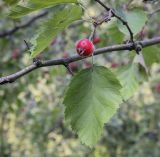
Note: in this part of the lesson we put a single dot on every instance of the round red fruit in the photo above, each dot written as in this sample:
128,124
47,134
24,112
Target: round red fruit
84,47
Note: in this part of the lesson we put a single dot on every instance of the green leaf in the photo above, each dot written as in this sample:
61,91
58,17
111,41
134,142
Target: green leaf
136,20
127,76
11,2
151,55
54,25
139,59
114,33
33,5
92,98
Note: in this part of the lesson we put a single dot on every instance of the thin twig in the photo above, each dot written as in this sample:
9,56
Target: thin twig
27,24
91,39
126,24
27,45
119,18
102,4
66,61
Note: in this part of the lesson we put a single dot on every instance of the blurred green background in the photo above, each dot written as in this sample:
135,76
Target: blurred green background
31,111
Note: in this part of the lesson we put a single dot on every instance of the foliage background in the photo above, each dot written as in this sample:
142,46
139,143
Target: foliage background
31,110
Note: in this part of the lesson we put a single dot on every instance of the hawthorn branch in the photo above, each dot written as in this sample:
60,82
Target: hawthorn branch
27,24
125,23
66,61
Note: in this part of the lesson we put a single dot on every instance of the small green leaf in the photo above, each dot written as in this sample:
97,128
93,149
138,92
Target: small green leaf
33,5
136,20
151,55
114,33
92,98
139,59
127,76
54,25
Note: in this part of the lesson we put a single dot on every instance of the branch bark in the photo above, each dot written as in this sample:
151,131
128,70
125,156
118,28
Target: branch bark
66,61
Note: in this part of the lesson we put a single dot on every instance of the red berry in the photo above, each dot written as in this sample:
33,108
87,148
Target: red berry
96,40
84,47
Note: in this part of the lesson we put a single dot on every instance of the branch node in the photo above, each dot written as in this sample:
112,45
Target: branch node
138,48
37,62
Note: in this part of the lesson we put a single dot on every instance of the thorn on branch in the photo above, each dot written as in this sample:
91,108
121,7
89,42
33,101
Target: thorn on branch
27,45
69,69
